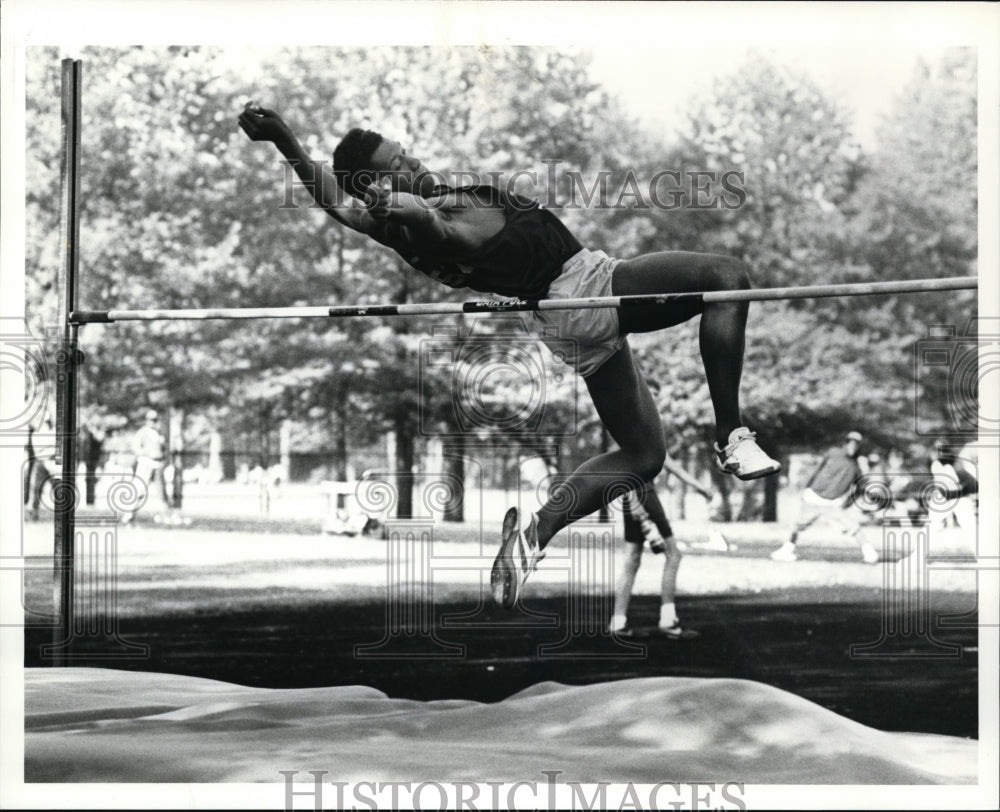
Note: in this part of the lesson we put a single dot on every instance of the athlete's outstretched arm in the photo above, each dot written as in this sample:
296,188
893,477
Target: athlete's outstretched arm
672,466
261,124
429,221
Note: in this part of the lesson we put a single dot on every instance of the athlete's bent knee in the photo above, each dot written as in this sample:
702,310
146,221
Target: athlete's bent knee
648,462
737,274
731,273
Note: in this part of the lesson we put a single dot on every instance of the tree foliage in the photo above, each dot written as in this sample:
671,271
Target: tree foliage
180,210
819,210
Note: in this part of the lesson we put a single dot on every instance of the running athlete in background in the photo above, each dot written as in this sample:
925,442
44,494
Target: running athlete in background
829,498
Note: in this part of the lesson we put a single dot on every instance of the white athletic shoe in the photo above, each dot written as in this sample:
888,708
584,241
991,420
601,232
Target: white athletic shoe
518,557
743,458
786,552
869,554
717,542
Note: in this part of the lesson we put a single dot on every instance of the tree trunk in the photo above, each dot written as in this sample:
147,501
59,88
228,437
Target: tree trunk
404,467
723,484
176,440
340,449
227,456
750,510
454,467
770,512
285,448
265,440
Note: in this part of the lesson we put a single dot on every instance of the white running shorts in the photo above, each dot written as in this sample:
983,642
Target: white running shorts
590,336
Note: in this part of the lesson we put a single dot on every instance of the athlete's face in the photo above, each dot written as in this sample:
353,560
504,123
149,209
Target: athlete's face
406,172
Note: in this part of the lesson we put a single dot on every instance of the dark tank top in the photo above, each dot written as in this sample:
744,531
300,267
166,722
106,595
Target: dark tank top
522,259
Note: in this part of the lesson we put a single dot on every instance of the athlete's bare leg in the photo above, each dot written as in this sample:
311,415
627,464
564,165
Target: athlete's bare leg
625,404
626,578
721,334
668,583
628,411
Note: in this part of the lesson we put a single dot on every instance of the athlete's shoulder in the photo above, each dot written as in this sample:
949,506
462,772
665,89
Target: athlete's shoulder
521,202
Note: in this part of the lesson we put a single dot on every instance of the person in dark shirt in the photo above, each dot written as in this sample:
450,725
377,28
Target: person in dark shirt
90,451
482,238
829,498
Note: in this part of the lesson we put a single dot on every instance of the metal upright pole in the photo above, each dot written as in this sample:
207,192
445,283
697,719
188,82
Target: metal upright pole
66,362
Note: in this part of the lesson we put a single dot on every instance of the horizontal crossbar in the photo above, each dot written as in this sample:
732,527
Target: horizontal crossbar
520,305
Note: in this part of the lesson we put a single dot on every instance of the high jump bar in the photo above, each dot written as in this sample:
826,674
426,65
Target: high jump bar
519,305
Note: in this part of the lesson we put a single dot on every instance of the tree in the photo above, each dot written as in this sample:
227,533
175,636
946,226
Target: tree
181,211
799,164
815,213
915,216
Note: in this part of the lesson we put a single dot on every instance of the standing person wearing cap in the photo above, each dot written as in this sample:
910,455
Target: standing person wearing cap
149,446
828,498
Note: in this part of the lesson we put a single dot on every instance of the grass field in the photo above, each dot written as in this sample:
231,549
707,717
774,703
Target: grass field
273,603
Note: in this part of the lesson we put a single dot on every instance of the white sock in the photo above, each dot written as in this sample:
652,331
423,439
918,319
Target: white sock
618,622
668,614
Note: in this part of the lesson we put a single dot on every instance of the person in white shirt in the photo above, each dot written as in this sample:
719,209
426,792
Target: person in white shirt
150,446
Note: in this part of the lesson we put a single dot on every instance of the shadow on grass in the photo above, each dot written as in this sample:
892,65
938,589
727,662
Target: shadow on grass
800,643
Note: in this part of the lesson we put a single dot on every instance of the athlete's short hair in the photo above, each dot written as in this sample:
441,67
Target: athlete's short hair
352,160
